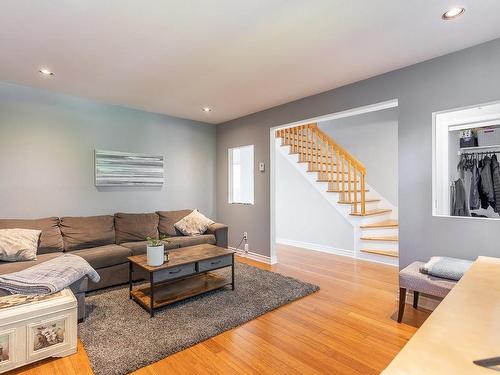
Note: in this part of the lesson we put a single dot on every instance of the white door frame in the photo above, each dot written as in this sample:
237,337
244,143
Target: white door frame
440,154
272,145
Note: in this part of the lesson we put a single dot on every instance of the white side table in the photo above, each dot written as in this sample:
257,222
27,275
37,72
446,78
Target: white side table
36,327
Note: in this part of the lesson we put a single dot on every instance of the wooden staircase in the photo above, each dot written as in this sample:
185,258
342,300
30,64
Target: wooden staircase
345,176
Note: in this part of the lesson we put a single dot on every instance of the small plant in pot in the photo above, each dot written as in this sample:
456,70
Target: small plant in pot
156,251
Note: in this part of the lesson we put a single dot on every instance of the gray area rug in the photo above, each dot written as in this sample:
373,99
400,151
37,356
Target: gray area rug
120,337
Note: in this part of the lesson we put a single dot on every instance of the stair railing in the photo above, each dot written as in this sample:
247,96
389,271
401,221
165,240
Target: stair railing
344,173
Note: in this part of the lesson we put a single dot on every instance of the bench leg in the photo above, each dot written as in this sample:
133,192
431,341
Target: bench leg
402,301
415,299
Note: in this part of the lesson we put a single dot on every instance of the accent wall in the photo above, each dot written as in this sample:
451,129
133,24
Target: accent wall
47,143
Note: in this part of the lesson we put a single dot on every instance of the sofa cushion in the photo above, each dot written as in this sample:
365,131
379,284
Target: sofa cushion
135,227
86,232
50,239
168,219
139,247
9,267
18,244
184,241
104,256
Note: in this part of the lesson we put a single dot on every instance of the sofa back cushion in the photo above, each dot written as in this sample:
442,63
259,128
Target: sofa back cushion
135,227
50,240
81,232
168,219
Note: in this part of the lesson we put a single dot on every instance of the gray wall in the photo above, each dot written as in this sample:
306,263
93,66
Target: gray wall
373,139
47,142
463,78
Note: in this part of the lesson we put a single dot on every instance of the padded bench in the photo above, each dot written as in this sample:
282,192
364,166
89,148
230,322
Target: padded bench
410,278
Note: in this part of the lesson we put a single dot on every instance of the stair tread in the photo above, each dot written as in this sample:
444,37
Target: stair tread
389,253
381,224
359,201
393,238
372,212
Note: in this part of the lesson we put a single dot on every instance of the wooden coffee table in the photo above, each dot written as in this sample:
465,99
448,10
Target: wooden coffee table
186,274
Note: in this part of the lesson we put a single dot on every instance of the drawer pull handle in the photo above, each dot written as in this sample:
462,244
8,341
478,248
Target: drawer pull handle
174,272
214,263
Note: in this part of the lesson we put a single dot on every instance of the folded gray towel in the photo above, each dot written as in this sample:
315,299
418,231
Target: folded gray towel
48,277
446,268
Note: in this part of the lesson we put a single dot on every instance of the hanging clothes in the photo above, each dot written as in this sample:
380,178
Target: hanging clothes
452,198
475,179
460,206
486,192
495,173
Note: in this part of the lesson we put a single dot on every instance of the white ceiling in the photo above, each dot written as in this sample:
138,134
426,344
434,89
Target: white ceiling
237,56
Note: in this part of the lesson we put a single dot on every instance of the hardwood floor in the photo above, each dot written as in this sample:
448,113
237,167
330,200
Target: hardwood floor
348,327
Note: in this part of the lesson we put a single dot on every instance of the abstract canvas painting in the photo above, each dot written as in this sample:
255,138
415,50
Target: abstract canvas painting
115,168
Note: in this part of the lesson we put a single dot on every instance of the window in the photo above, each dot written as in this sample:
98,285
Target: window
241,175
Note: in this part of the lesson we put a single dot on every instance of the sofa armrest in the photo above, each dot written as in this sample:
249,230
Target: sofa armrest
220,232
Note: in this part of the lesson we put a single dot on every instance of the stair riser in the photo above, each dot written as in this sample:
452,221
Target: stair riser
374,219
392,246
369,206
379,232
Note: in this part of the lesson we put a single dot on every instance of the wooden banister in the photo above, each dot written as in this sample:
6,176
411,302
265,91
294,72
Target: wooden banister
345,173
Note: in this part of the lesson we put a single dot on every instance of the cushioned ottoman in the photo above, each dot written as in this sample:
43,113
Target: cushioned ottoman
410,278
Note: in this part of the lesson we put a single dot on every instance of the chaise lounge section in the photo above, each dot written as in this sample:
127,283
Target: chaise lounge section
105,241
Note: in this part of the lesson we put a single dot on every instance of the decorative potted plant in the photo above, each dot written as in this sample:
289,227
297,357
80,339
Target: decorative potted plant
156,251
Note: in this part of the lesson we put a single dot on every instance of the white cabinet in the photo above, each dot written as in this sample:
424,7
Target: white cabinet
36,327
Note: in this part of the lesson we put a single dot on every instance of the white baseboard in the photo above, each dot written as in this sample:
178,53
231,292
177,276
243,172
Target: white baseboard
254,256
425,302
316,247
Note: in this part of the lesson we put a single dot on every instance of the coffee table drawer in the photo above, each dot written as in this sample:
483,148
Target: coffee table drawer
210,264
173,273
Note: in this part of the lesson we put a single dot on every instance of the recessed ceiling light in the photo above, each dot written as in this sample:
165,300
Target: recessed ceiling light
453,13
46,72
207,109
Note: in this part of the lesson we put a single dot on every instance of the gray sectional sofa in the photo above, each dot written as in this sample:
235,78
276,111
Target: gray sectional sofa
105,242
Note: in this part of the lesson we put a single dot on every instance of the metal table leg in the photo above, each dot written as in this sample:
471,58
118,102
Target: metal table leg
130,265
232,273
151,308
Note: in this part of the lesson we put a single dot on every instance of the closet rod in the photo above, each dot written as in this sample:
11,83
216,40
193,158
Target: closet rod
480,153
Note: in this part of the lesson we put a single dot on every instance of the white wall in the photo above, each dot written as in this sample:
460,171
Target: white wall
303,216
373,139
47,144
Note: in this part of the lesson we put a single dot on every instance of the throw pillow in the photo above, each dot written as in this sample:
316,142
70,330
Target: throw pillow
193,224
18,244
447,268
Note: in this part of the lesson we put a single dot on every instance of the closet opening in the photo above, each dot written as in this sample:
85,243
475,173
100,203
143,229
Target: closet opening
466,168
